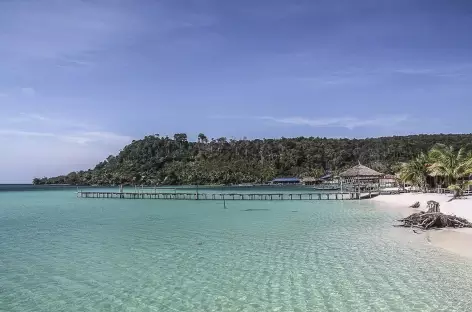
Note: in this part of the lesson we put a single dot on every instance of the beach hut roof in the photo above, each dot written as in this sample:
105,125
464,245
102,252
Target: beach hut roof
286,180
360,171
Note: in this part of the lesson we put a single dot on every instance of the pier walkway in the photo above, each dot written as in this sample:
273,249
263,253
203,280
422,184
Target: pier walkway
226,196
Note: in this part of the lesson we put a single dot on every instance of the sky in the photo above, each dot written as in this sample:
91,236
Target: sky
81,79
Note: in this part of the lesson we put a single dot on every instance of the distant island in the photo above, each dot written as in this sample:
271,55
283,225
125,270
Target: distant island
156,160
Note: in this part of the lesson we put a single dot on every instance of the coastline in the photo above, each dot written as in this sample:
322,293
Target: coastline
457,241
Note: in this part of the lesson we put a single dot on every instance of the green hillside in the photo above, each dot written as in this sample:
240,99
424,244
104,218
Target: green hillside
163,160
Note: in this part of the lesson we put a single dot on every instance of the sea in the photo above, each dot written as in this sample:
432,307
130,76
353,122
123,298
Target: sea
63,253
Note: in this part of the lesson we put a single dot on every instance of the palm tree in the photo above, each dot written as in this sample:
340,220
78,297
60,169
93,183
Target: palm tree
449,163
416,171
453,165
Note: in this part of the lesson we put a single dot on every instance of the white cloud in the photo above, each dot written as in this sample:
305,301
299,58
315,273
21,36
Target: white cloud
66,32
370,76
77,33
333,122
58,123
92,137
40,145
341,122
60,127
414,71
23,117
13,132
28,91
35,155
450,70
77,137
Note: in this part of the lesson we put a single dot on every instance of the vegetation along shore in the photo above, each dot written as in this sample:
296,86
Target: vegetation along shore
177,161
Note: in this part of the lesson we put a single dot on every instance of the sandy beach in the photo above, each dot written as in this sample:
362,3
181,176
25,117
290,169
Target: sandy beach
459,207
458,241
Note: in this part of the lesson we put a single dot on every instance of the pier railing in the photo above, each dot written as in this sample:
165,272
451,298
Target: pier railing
448,191
225,196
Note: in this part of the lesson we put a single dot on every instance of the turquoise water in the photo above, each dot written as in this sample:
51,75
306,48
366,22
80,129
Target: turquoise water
61,253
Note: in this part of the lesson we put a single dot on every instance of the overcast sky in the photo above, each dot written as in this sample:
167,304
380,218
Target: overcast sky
80,79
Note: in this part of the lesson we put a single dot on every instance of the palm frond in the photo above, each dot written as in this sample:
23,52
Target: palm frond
449,163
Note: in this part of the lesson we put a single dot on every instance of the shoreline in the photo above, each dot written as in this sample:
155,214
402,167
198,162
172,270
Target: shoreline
457,241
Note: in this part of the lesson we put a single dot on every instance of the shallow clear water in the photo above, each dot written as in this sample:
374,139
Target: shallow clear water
61,253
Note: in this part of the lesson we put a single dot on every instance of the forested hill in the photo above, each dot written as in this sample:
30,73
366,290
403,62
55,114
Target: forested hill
163,160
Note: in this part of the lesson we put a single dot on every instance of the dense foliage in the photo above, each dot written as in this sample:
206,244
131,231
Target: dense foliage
163,160
449,166
416,171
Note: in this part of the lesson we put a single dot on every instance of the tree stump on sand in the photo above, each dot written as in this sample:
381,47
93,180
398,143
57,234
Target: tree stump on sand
433,218
433,206
415,205
428,220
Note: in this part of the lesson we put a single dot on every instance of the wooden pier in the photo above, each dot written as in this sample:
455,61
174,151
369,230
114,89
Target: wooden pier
224,196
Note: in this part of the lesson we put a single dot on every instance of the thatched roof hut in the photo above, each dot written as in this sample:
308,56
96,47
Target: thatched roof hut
360,171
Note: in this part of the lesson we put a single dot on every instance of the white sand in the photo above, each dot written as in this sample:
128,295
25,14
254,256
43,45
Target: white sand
459,207
458,241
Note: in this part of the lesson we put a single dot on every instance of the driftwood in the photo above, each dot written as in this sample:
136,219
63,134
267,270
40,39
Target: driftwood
415,205
428,220
433,218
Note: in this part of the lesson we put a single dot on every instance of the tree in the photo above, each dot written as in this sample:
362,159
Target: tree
202,138
453,164
180,138
459,188
416,171
450,163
